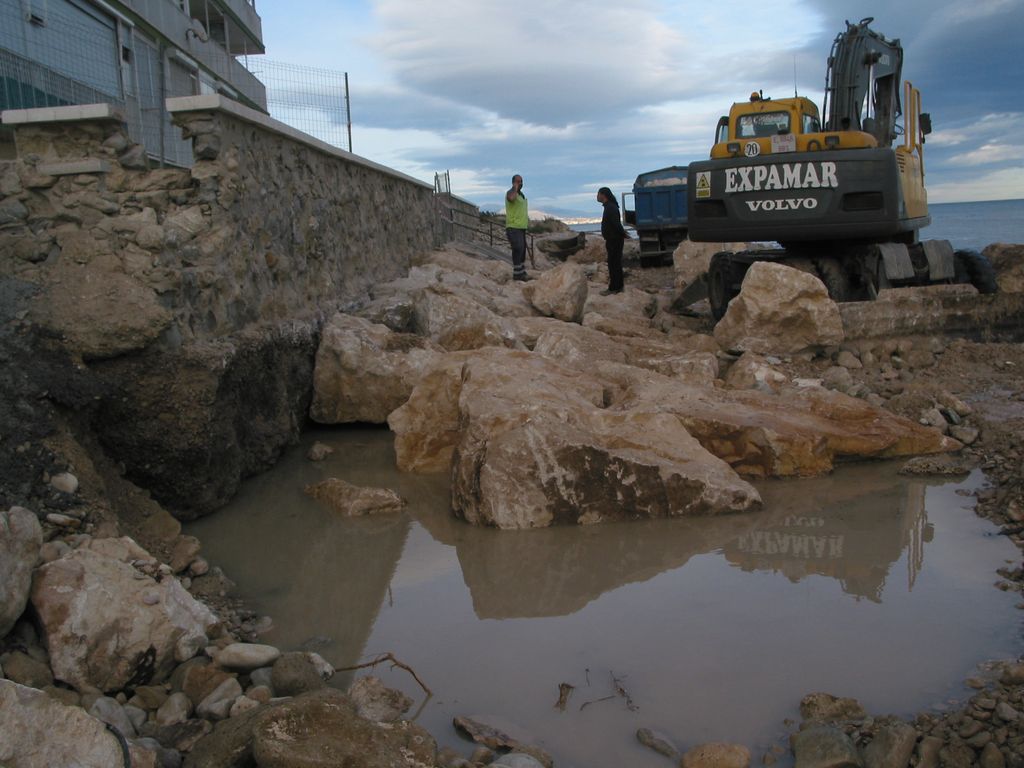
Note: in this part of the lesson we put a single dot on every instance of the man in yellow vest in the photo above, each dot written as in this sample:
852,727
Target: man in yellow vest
516,221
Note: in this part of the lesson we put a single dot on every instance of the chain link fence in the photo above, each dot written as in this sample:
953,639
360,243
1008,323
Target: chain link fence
58,53
313,100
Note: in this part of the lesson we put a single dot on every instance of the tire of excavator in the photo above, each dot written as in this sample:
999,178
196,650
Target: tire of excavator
719,285
977,269
835,278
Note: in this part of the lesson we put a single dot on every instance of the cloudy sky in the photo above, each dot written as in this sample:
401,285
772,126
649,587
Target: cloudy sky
577,94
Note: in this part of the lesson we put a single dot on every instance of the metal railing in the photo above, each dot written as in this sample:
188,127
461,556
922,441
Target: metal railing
25,84
464,226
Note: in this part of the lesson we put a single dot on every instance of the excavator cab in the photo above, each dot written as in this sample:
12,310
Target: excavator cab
763,126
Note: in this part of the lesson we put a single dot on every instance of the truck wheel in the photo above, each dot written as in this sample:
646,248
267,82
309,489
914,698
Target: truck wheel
835,278
978,270
719,285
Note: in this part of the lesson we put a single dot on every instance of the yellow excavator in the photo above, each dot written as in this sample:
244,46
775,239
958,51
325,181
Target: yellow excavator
841,191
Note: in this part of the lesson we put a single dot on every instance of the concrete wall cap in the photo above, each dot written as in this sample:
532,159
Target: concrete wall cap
214,102
77,112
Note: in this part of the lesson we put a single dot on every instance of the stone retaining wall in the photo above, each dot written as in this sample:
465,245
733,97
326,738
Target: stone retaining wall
194,297
268,225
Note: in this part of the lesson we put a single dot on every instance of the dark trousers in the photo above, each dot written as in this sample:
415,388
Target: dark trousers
517,239
614,247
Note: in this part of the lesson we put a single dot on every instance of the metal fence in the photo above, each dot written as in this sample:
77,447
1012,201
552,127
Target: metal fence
313,100
60,53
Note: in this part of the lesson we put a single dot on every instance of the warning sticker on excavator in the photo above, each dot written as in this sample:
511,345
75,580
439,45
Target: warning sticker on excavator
703,184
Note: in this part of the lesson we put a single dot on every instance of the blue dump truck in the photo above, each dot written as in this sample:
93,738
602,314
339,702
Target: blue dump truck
659,213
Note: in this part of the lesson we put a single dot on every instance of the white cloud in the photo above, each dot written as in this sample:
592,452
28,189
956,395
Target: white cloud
558,62
1003,184
577,95
988,154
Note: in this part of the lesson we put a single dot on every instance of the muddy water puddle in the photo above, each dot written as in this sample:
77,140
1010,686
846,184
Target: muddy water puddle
863,584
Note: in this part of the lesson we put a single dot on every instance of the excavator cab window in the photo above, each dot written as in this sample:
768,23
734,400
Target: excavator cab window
810,124
722,131
762,124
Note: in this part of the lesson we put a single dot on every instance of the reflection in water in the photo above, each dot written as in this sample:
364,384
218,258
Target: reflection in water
853,532
325,579
854,540
691,614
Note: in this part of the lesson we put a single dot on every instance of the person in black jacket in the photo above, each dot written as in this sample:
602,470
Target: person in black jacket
614,236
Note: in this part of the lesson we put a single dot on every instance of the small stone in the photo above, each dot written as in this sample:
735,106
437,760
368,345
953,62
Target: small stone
176,709
199,567
991,757
247,656
64,482
52,550
979,740
891,747
217,705
826,708
934,418
21,668
657,742
63,695
966,435
825,745
319,451
847,359
64,521
1013,674
188,646
928,752
150,697
136,715
264,677
717,755
242,705
295,673
260,693
185,550
112,713
1006,712
481,756
516,760
376,702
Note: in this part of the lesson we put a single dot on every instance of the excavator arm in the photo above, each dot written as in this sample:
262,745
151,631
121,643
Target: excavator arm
862,86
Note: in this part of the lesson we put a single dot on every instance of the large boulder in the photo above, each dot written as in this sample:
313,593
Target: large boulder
780,310
597,467
190,424
100,312
537,448
364,371
41,732
426,427
571,345
797,432
561,293
1008,262
691,260
108,625
20,539
355,500
322,728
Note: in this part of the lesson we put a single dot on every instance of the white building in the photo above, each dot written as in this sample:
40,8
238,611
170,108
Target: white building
133,54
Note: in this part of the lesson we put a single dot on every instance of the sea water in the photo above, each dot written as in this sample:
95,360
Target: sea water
965,225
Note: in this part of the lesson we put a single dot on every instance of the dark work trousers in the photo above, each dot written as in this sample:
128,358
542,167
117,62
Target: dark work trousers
517,239
614,246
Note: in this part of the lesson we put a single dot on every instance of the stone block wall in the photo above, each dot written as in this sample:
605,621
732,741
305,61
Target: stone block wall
268,225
